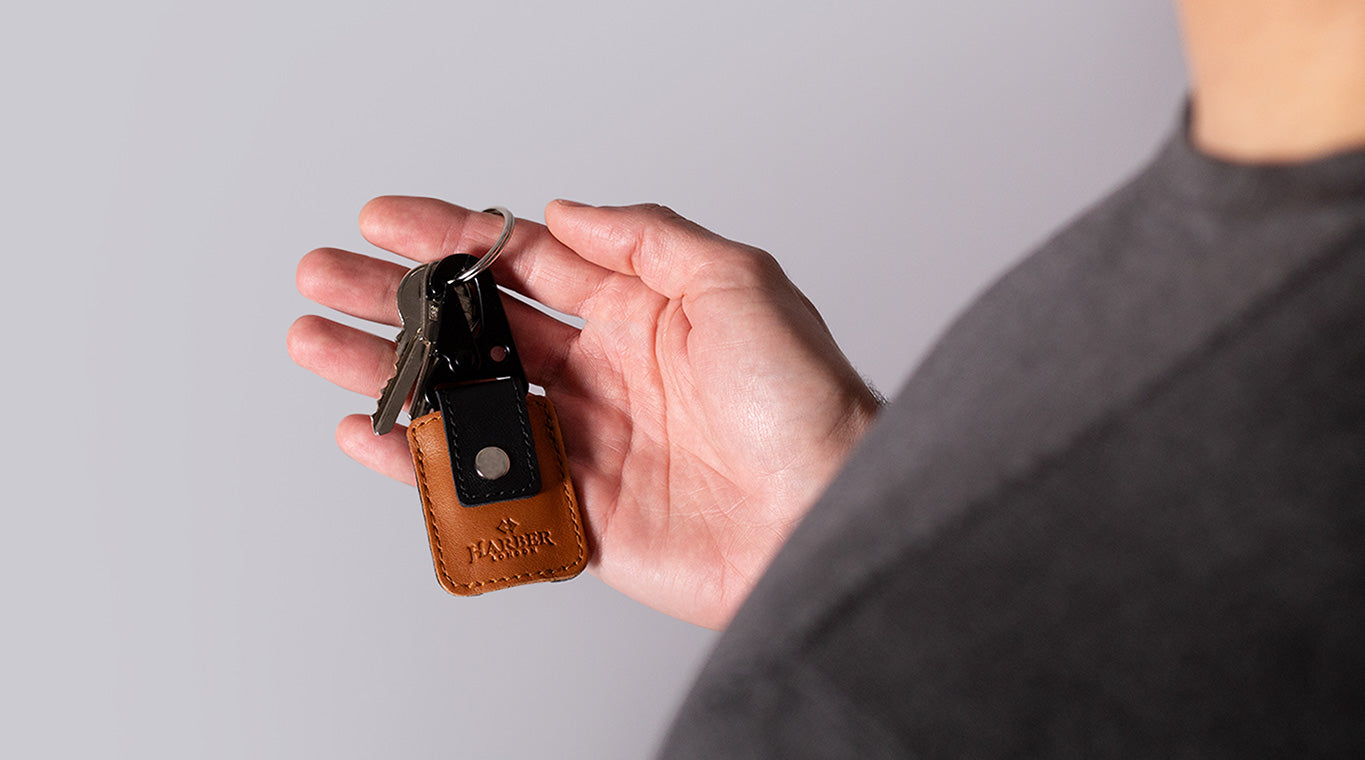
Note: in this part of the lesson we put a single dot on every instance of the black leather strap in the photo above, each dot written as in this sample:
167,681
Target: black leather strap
482,415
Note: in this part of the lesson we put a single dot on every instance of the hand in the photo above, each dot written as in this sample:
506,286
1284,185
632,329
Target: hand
704,403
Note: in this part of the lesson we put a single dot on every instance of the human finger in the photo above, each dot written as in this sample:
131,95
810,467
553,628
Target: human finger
534,263
545,344
351,358
672,255
386,454
351,283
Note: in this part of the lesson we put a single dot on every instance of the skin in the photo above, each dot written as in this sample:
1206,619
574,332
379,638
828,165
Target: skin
705,405
1276,81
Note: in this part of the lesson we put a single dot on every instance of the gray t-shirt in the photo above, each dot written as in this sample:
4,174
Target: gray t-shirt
1119,510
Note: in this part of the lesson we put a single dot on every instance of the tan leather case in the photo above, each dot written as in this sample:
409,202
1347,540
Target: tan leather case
493,546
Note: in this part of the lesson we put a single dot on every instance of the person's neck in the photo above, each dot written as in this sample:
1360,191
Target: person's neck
1276,80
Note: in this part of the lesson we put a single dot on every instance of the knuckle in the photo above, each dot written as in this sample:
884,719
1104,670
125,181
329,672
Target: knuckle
660,223
746,266
655,211
666,239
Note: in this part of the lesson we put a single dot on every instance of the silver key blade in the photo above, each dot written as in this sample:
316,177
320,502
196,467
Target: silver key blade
396,390
426,354
467,294
428,331
412,295
412,308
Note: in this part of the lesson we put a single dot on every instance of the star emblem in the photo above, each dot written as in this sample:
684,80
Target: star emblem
508,526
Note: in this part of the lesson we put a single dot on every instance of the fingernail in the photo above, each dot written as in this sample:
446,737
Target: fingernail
569,203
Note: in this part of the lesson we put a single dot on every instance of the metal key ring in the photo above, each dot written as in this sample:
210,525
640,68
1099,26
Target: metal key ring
486,261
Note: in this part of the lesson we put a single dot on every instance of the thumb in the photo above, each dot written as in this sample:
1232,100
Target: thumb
673,256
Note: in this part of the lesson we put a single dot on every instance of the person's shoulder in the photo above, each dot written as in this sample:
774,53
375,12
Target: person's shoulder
1048,488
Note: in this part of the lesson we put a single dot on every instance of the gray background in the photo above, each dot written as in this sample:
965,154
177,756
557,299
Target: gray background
189,566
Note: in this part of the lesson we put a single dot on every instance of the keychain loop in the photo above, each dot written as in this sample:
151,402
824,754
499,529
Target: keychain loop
486,261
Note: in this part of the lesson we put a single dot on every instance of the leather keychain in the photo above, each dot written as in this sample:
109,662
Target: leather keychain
489,456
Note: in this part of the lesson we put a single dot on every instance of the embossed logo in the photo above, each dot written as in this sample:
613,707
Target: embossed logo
512,544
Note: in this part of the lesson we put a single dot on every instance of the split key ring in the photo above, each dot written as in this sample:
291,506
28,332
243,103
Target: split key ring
486,261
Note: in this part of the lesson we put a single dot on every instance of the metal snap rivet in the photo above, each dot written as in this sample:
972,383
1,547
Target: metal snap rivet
492,463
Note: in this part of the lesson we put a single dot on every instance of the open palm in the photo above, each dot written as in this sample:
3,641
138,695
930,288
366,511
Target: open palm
703,402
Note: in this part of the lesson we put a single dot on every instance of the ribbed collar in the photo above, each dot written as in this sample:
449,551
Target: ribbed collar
1210,182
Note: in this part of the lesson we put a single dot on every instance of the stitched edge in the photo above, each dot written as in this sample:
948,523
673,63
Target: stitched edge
462,480
419,462
570,503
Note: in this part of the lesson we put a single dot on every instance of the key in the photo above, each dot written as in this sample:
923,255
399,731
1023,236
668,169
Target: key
467,293
430,331
413,349
443,290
